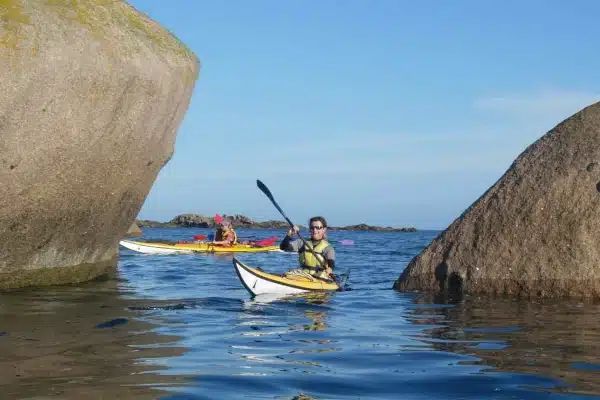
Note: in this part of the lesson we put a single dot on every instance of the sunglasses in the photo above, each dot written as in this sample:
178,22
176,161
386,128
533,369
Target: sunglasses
316,228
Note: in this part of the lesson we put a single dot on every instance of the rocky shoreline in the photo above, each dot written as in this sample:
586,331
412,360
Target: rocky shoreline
244,222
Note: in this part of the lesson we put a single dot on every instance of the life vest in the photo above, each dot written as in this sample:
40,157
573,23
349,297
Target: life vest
227,234
308,259
221,235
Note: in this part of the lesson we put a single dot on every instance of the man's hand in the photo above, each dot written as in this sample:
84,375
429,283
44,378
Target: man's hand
293,231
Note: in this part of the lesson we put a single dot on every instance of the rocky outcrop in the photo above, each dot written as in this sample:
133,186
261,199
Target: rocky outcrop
146,223
192,221
134,230
534,233
365,227
242,221
200,221
92,95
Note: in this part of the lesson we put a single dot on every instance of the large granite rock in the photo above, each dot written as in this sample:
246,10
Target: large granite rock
534,233
92,95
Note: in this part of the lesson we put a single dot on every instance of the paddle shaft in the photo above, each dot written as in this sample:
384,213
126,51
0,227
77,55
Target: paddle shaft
267,193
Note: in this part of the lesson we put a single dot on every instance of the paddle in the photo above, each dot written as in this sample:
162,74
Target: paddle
266,242
268,193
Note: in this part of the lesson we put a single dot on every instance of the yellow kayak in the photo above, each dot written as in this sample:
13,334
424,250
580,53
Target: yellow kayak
258,282
190,248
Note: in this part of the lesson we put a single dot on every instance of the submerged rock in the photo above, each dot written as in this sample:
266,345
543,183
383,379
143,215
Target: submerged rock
534,233
92,95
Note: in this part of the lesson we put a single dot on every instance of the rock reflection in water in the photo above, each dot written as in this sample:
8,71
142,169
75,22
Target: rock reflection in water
79,342
560,340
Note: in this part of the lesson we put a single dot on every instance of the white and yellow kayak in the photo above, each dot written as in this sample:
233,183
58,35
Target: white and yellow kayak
190,248
258,282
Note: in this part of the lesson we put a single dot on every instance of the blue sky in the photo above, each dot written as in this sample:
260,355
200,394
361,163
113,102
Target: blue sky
387,112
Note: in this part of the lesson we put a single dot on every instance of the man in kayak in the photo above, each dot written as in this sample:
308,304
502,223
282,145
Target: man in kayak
225,235
309,264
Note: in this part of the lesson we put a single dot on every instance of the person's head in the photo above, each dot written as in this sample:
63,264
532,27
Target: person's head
226,224
318,228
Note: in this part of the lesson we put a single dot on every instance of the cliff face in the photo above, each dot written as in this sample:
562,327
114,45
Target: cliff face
92,94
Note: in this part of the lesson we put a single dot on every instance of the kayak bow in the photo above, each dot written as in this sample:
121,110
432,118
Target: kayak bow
258,282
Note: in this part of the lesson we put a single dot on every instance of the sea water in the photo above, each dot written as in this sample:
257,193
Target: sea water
183,326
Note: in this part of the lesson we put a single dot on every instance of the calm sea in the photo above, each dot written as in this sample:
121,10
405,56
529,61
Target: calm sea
183,326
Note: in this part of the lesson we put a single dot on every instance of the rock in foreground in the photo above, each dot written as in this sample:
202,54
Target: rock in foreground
92,95
535,233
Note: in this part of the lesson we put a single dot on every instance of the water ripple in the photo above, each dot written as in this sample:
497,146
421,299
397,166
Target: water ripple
184,327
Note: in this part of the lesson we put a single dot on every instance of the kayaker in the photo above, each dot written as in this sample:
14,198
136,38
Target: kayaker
318,242
226,234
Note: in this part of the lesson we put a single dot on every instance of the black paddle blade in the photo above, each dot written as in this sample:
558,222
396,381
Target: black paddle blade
264,189
267,192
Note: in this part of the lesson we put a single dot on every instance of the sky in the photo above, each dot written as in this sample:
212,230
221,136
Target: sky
388,112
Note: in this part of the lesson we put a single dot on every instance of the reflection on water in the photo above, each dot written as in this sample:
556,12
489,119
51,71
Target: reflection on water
78,342
316,316
282,343
550,338
318,321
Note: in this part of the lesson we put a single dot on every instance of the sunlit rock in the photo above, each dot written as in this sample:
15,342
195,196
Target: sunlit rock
92,93
535,232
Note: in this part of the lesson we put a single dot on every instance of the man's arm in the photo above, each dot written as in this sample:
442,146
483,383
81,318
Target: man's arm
329,255
287,244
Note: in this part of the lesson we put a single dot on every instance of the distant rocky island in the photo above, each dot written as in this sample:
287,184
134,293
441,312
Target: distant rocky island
242,221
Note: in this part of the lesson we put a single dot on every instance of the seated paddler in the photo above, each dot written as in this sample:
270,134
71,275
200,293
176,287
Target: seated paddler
226,235
320,265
